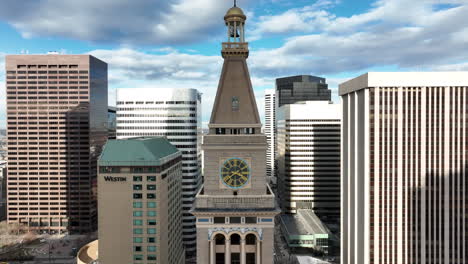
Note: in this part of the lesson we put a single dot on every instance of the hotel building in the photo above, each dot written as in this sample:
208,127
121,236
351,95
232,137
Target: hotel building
140,202
404,168
57,125
293,89
176,115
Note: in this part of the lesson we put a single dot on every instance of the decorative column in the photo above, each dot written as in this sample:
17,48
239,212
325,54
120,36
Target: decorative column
242,253
227,252
212,252
259,252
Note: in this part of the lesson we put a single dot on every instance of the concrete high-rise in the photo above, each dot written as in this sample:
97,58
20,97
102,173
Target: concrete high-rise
308,143
235,208
290,90
57,115
270,133
140,202
404,168
176,115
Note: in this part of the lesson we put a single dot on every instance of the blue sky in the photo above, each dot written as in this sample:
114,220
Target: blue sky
176,43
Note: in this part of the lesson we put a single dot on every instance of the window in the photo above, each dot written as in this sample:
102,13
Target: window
151,230
151,187
138,222
151,240
219,220
151,195
137,231
137,205
137,257
151,257
151,248
137,240
152,222
137,213
234,220
137,178
151,178
137,248
151,204
137,196
235,103
151,213
137,187
251,220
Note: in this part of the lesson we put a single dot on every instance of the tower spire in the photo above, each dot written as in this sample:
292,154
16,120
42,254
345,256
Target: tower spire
235,3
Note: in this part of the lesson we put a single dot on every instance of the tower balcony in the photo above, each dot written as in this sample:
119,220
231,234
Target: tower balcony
235,49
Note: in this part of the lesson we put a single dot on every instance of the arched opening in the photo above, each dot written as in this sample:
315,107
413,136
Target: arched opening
220,239
235,239
251,239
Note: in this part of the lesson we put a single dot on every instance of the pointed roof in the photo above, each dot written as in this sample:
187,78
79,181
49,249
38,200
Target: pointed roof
235,100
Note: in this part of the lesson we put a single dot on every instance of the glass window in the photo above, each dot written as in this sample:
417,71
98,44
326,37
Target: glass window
137,178
137,240
137,257
137,187
137,205
151,187
251,220
151,248
219,220
151,204
137,231
234,220
151,213
151,195
137,248
137,213
151,230
151,240
137,196
151,178
151,257
138,222
152,222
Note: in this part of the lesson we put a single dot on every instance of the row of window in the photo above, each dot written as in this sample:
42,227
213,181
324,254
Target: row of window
46,87
156,102
140,204
140,213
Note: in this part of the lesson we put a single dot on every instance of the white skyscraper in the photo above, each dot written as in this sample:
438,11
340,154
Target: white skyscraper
308,154
404,168
175,114
270,130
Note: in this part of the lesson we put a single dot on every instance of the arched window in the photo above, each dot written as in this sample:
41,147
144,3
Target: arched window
220,239
250,239
235,239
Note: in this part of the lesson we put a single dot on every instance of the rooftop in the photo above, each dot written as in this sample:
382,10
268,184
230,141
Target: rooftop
152,151
304,222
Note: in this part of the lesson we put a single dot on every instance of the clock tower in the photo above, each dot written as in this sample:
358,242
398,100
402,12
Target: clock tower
235,208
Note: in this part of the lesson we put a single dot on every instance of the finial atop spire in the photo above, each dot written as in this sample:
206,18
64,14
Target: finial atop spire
235,2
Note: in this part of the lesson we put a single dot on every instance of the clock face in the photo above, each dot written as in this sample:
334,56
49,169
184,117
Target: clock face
235,173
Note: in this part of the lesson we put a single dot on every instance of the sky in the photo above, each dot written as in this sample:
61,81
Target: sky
177,43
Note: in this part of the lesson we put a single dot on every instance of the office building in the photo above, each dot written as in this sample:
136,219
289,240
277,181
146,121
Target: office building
404,161
270,133
57,115
235,208
140,202
112,122
3,176
308,142
290,90
176,115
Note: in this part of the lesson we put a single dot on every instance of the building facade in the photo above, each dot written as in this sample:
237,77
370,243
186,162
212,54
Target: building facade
112,122
140,202
404,168
3,200
270,133
57,114
176,115
235,209
293,89
308,142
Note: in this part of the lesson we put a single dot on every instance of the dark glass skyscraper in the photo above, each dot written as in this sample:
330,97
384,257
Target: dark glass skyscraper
290,90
